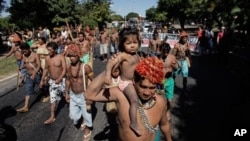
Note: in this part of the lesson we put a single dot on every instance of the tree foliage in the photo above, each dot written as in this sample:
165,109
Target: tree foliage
2,5
132,15
34,13
220,12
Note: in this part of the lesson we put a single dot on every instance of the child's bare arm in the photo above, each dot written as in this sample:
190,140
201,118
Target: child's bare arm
114,62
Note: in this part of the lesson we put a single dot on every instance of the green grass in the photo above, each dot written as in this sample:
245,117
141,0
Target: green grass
8,67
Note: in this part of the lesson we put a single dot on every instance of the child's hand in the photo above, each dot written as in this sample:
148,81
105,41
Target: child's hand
114,55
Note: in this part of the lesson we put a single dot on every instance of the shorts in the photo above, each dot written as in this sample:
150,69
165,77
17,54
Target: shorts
123,84
113,47
77,108
183,68
56,90
103,49
30,84
169,88
20,64
85,59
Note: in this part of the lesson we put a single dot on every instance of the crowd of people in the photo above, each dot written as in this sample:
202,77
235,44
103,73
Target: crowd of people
140,85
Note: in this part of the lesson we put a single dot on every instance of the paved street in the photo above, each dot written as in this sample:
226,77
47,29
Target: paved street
218,103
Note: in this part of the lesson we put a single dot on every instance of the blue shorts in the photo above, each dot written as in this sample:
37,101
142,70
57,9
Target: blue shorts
157,135
30,84
169,88
183,69
20,64
85,59
77,108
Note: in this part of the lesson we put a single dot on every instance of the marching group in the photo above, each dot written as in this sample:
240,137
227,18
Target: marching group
139,84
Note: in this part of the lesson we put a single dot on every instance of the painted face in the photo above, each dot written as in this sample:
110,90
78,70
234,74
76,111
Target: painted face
145,89
131,45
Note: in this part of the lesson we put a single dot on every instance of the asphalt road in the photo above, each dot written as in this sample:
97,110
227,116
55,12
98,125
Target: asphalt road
218,103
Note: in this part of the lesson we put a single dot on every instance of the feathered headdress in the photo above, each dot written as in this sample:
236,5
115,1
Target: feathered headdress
73,49
151,68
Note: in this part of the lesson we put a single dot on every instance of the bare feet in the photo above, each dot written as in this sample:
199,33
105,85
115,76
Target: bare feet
46,99
49,121
23,110
86,137
136,129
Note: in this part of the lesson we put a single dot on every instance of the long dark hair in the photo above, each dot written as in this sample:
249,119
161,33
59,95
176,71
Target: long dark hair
123,36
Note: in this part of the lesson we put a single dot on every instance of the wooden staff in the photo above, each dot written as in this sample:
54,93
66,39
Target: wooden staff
17,83
66,21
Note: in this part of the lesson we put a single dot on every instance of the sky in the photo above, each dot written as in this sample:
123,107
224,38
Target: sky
123,7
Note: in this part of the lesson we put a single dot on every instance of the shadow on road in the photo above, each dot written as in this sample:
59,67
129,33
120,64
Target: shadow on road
216,105
7,132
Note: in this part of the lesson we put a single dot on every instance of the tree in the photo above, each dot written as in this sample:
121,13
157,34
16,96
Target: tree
62,9
116,18
150,13
2,5
132,15
29,13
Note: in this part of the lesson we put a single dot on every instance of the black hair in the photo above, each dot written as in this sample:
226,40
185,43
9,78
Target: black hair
24,46
165,48
53,45
138,77
123,36
43,39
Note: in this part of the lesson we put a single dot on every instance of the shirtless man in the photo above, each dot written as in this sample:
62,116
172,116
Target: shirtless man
114,39
56,67
85,47
154,45
42,52
16,51
76,83
152,107
104,41
170,65
182,52
32,66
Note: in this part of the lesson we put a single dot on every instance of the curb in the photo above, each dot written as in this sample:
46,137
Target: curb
8,77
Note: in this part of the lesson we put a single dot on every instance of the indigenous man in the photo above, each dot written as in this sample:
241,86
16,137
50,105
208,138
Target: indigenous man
56,67
114,38
78,75
32,66
182,52
104,41
15,49
154,45
152,107
42,52
85,47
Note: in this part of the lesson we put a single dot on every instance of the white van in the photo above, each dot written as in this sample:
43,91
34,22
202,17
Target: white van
146,28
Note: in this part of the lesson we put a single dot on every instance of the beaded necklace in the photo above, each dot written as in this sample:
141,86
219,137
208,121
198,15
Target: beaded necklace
149,104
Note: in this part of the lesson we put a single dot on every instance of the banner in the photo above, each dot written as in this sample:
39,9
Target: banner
172,39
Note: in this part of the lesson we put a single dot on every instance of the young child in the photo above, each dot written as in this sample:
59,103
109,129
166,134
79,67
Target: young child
129,43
